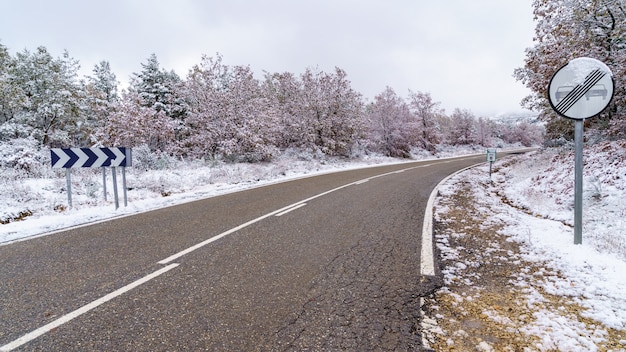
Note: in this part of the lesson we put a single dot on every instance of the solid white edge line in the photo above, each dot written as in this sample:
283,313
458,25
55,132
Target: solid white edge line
82,310
291,209
427,257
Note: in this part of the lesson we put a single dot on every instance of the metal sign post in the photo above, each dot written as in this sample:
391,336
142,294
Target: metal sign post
68,181
117,199
104,183
580,90
579,125
124,186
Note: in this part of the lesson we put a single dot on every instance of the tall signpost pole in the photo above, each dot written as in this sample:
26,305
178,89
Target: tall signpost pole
578,181
581,89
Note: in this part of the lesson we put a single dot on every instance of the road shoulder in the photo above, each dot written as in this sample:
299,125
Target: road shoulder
493,299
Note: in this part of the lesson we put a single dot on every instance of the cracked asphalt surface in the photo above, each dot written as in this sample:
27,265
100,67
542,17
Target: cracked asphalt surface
341,273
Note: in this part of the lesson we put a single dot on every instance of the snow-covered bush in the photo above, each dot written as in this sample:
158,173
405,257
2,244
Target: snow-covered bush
145,159
25,156
12,130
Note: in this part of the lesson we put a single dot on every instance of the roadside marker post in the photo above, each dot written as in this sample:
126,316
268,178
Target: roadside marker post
579,90
491,158
69,158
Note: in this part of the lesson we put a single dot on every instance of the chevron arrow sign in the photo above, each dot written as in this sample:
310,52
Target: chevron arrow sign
66,158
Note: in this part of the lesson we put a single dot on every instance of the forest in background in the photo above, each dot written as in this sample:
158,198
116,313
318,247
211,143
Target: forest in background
224,112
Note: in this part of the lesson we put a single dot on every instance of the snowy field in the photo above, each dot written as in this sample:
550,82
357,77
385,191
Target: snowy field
532,196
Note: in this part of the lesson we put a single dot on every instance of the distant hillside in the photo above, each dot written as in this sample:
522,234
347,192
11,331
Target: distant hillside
516,118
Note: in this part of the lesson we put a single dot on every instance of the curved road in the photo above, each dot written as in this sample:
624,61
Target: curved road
330,262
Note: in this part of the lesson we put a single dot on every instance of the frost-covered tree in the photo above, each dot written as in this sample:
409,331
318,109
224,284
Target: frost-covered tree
51,96
227,114
333,112
9,93
248,121
283,91
427,112
461,128
132,125
148,113
567,29
484,132
102,98
104,82
390,124
525,133
201,132
156,87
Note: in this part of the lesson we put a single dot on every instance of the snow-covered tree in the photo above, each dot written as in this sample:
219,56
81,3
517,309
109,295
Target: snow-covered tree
102,98
333,112
10,95
390,124
566,30
227,113
201,132
247,119
51,96
283,91
149,113
461,129
156,87
104,82
525,133
427,112
484,132
132,125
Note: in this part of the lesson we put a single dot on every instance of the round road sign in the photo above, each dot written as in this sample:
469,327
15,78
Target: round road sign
581,89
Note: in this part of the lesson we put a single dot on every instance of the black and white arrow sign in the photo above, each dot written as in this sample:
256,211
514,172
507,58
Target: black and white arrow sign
65,158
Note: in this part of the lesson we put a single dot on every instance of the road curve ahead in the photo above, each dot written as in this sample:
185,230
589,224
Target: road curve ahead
323,263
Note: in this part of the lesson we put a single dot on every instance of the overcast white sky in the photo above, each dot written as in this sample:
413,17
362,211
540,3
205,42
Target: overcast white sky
462,52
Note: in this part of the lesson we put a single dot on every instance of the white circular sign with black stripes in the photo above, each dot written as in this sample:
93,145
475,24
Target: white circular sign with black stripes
581,89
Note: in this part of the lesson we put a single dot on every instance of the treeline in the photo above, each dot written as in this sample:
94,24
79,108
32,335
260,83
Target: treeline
223,112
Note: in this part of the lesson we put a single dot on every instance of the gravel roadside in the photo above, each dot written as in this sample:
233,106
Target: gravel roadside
491,295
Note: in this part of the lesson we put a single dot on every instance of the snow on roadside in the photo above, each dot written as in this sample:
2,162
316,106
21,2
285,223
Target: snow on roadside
532,196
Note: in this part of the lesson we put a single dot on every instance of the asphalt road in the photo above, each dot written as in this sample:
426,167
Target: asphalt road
339,271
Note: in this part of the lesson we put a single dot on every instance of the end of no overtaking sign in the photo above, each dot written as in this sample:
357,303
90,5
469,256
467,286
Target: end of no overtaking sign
581,89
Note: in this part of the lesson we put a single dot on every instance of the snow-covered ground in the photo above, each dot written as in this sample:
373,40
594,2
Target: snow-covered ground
532,197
